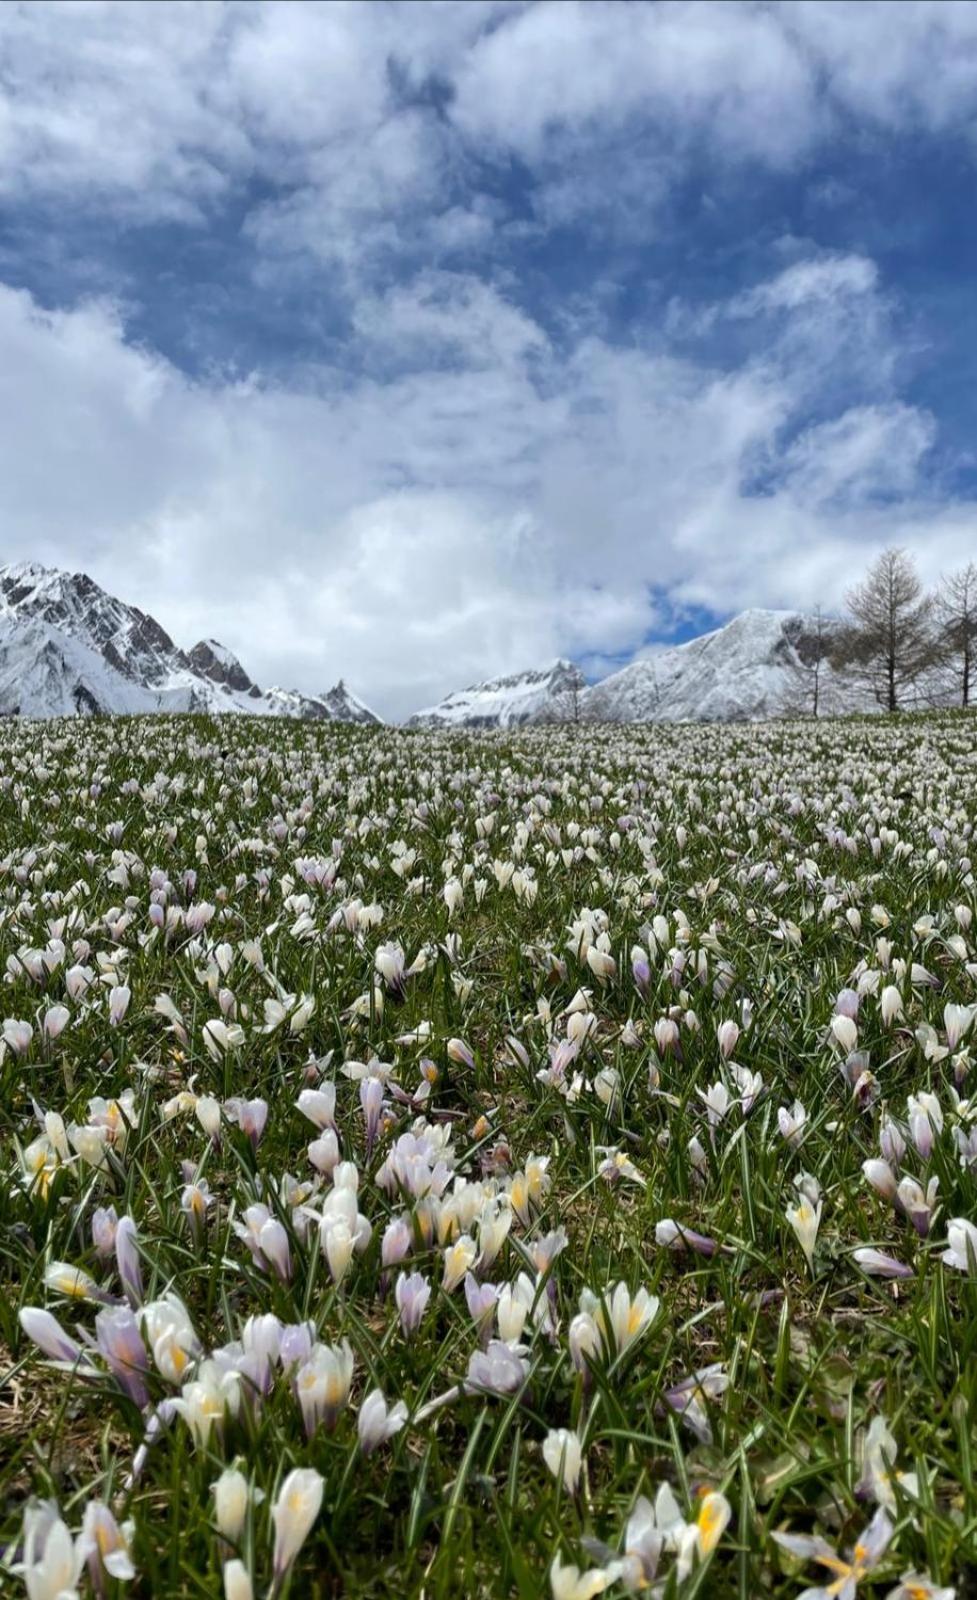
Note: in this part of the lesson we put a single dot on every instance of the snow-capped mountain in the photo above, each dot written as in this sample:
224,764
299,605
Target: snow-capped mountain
552,694
68,648
761,664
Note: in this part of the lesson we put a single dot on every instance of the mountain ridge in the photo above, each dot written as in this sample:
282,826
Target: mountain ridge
69,648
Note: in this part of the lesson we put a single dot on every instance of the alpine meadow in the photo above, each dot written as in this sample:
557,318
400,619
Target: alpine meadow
439,1165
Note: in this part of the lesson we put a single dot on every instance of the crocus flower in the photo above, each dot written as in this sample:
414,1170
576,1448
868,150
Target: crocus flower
961,1251
232,1494
377,1422
792,1123
319,1105
295,1510
649,1529
688,1398
250,1116
127,1260
322,1385
17,1035
918,1203
499,1370
119,998
698,1539
847,1572
170,1333
237,1581
460,1053
412,1294
672,1235
121,1347
104,1223
879,1265
458,1258
53,1560
56,1019
569,1583
205,1401
49,1336
620,1318
879,1476
563,1455
106,1546
805,1219
481,1299
919,1586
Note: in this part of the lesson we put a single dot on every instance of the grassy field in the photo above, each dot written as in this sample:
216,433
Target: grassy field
441,1165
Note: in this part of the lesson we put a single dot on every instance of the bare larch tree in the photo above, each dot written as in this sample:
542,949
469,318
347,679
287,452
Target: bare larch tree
889,641
956,616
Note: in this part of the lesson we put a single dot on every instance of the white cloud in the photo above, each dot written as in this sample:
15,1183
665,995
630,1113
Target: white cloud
464,492
435,523
163,111
812,281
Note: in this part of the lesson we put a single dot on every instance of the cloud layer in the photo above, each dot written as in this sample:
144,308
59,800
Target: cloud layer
475,455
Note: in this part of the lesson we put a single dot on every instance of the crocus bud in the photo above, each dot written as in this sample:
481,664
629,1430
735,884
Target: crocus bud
208,1113
412,1294
563,1455
231,1495
728,1035
882,1178
237,1581
127,1261
299,1503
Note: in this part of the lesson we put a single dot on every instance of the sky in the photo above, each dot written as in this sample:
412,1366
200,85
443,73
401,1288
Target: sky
416,343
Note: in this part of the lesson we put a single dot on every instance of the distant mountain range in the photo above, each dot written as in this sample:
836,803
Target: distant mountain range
761,664
67,648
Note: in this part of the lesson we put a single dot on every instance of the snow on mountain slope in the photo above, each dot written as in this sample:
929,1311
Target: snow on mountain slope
214,661
344,706
548,694
46,673
68,648
761,664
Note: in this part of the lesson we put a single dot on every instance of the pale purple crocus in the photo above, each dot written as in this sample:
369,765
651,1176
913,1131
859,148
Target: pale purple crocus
847,1004
481,1299
879,1265
396,1242
119,998
47,1333
371,1100
919,1204
128,1262
250,1116
961,1251
846,1573
672,1235
295,1344
640,971
687,1398
104,1223
412,1294
460,1053
501,1369
121,1346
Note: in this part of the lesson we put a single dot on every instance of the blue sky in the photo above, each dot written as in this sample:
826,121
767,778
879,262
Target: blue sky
416,343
